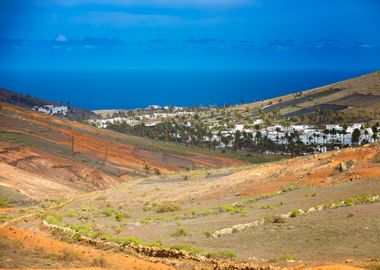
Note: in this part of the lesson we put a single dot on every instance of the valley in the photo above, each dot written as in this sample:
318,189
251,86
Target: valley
74,196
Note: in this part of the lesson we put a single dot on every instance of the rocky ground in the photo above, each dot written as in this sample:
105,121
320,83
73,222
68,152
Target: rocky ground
306,210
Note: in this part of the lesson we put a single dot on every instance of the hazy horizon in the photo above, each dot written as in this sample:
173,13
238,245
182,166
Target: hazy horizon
128,89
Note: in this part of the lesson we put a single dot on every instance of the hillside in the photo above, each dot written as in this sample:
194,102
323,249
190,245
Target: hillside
90,198
38,160
278,213
349,96
267,216
27,101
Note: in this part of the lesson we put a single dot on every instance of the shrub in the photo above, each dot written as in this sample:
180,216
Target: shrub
107,212
147,168
207,233
267,206
146,208
349,202
274,219
69,255
4,202
295,213
287,258
99,262
188,248
5,218
106,236
289,188
231,209
225,254
54,219
127,241
180,232
84,230
373,266
167,207
157,172
120,216
71,213
157,243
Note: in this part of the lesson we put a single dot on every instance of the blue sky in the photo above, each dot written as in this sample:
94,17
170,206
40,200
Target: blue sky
181,34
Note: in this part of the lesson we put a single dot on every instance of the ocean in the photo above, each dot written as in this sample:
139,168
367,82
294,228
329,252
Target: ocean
126,89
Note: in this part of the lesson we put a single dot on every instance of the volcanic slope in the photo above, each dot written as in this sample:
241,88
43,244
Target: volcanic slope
350,96
316,209
44,157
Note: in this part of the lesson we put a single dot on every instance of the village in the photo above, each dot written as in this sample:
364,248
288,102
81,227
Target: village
55,110
204,128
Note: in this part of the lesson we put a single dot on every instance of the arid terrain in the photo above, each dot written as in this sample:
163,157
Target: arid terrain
76,197
44,156
296,213
196,212
361,94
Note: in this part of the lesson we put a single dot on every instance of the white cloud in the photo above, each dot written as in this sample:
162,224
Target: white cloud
61,38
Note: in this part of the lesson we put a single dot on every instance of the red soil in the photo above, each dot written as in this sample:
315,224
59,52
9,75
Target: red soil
317,170
32,240
40,174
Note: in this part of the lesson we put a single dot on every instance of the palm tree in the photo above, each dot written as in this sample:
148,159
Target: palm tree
356,136
258,137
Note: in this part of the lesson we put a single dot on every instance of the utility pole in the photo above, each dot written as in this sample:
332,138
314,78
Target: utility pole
72,144
106,154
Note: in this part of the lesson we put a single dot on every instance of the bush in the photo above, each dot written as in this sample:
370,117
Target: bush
373,266
157,243
157,172
167,207
231,209
349,202
188,248
275,219
107,212
208,233
71,213
5,218
180,232
54,219
4,202
127,241
287,258
295,213
85,230
225,254
120,216
69,255
289,188
99,262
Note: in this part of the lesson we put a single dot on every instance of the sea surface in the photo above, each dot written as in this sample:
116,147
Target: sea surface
125,89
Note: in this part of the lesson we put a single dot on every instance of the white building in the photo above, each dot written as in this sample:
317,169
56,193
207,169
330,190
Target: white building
52,109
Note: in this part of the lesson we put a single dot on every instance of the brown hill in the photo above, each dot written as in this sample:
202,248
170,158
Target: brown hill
272,212
37,158
349,96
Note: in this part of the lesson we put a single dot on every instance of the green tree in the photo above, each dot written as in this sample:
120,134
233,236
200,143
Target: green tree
356,136
146,168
